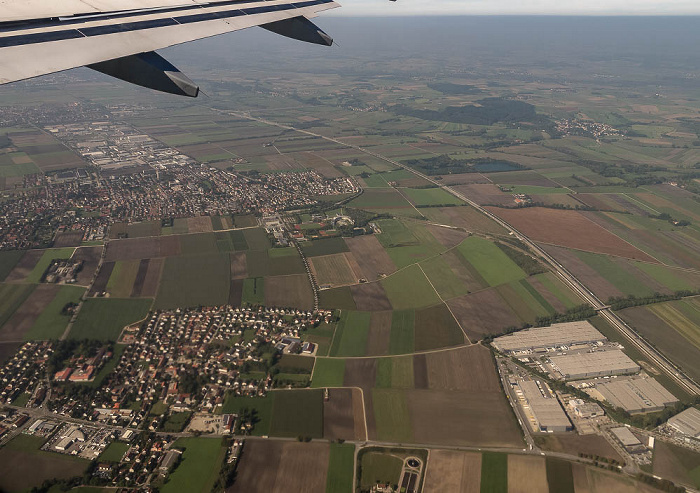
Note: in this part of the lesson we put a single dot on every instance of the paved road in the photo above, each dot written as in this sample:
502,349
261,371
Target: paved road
663,363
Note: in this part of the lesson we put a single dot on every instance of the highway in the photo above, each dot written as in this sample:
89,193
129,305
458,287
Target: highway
658,359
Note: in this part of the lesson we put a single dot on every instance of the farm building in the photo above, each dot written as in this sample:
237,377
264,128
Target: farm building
544,407
636,395
687,423
542,339
595,364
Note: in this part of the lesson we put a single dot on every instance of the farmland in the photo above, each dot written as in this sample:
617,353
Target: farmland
105,318
199,466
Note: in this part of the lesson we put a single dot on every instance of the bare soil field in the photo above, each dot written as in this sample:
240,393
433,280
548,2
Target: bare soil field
289,291
570,229
199,224
597,202
573,444
370,297
483,313
486,194
279,467
673,462
371,256
379,335
239,266
420,371
547,294
332,270
152,280
435,327
22,471
594,281
25,265
466,369
103,276
340,418
91,257
446,236
453,471
7,350
527,474
25,316
362,373
462,419
314,161
605,482
464,217
235,294
68,239
140,248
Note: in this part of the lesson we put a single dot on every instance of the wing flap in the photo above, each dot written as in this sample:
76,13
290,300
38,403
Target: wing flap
36,51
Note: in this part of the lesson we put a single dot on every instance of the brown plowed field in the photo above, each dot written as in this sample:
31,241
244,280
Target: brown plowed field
483,313
371,256
452,471
140,278
527,474
462,418
68,239
332,270
435,327
339,420
469,369
485,194
547,294
370,297
447,237
152,281
594,281
25,265
570,229
573,444
91,257
280,467
7,350
362,373
289,291
140,248
25,316
379,334
597,202
199,224
239,266
103,276
420,371
464,217
235,294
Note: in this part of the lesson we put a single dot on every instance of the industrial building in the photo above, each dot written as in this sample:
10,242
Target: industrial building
584,409
628,440
543,339
593,364
544,407
687,423
636,395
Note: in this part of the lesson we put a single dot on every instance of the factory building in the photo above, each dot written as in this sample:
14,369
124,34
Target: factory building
687,423
628,440
544,407
543,339
636,395
593,364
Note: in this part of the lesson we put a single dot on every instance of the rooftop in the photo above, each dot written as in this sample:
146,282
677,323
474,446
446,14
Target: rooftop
563,334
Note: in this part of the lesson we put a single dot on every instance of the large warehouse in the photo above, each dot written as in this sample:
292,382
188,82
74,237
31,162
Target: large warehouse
636,395
595,364
546,411
687,422
543,338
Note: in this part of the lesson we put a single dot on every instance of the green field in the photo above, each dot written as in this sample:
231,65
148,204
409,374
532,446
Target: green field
421,293
327,246
199,467
176,422
8,260
392,416
490,261
377,467
338,298
104,318
395,373
402,338
255,239
109,366
494,473
114,452
328,373
667,277
51,323
321,335
253,291
447,284
57,253
262,406
189,281
121,281
297,413
340,469
615,274
351,334
11,297
431,196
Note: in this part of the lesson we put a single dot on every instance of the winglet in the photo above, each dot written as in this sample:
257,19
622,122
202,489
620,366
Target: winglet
300,28
149,70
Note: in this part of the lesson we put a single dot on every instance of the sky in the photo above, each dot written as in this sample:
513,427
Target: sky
517,7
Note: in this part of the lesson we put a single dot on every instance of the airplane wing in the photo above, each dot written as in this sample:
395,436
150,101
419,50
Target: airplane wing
119,37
